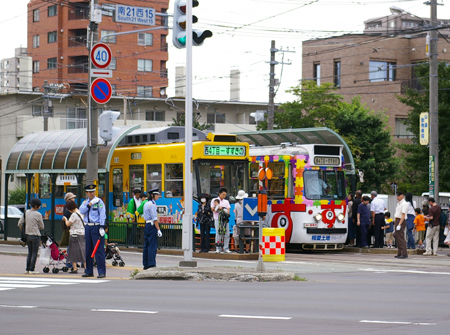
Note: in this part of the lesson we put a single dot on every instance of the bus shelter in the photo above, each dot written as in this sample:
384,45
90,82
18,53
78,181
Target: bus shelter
61,157
301,136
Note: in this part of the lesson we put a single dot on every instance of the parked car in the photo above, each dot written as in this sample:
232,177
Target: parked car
21,207
13,212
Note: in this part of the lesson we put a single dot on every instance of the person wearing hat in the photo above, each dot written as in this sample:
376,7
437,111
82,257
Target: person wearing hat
205,220
151,230
239,217
94,212
66,214
33,224
133,205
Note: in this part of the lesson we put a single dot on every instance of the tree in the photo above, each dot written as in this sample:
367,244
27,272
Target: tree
17,196
365,131
195,123
415,170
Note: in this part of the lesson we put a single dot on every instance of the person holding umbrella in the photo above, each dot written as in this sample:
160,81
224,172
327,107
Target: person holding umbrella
94,213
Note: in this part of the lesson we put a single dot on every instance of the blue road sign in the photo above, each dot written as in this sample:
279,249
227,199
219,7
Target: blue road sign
251,209
101,90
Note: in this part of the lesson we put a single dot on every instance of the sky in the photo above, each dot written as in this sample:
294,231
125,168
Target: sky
243,31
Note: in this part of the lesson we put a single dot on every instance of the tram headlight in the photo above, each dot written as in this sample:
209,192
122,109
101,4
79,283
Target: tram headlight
318,217
341,217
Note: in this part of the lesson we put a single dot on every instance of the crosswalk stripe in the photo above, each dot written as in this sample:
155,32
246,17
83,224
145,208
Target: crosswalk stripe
6,289
11,283
22,285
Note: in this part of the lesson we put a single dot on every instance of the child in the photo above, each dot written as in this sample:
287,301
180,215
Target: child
389,229
216,208
419,226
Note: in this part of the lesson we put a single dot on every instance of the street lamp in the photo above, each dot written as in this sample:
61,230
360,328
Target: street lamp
433,102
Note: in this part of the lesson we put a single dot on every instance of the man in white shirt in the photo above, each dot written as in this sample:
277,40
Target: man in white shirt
223,205
400,225
377,208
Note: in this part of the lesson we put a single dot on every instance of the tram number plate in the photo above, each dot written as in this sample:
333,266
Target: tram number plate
327,161
224,150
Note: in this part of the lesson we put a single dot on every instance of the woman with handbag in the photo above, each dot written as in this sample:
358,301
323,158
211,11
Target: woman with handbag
205,220
33,222
77,244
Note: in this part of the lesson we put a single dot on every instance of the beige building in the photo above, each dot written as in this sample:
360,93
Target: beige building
16,72
375,65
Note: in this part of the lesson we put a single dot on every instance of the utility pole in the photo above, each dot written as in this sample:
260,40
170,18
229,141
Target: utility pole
47,104
434,116
92,115
273,62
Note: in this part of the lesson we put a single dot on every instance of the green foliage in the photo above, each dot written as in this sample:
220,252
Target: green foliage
133,273
298,278
18,196
365,131
195,123
414,172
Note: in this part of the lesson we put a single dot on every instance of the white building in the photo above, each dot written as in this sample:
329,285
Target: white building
16,73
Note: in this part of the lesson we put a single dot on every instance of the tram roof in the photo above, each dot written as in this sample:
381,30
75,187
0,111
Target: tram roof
61,151
300,136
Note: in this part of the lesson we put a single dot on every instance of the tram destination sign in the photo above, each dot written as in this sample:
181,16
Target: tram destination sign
135,15
224,150
329,161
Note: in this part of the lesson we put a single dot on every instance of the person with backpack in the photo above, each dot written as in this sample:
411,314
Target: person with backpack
433,227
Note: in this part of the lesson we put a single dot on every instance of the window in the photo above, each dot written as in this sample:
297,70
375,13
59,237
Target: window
155,116
145,91
36,110
52,10
320,184
51,63
44,186
136,178
117,187
76,118
409,24
163,43
110,39
154,176
145,65
392,24
337,73
36,15
163,69
373,25
113,89
401,129
52,37
174,180
382,71
276,184
35,66
317,74
215,118
113,64
36,41
145,39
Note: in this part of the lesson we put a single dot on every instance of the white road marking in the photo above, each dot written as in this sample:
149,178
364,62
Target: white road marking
409,271
6,289
10,283
22,285
10,306
123,311
255,317
399,322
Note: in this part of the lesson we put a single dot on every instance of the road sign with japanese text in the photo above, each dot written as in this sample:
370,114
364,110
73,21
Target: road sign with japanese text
135,15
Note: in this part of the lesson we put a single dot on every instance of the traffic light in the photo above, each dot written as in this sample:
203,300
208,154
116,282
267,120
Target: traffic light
105,125
179,26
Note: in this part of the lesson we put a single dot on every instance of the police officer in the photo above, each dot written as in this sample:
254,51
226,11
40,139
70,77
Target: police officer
94,213
151,230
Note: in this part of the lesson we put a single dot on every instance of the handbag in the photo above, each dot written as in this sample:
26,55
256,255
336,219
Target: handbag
446,231
447,240
44,255
23,238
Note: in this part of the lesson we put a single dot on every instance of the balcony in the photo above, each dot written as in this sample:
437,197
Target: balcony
79,11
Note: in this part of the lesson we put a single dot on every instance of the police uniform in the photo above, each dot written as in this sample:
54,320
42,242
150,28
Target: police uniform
94,218
150,232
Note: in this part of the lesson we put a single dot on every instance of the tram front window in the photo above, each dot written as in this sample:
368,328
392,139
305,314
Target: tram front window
320,184
213,176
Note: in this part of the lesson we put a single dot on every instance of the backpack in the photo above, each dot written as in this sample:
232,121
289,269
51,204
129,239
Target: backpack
443,218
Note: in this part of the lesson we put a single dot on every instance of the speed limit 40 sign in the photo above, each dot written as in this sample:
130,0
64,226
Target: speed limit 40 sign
101,55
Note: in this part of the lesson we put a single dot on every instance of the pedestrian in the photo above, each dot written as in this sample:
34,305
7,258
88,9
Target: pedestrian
151,230
132,207
94,213
363,220
66,214
410,220
351,224
433,227
389,229
239,217
419,227
205,221
400,225
225,206
377,208
356,202
33,224
77,244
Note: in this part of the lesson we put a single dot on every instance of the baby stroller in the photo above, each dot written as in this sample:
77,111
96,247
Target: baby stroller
224,218
113,252
57,257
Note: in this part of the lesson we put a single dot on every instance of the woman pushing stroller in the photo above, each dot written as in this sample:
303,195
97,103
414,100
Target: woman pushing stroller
77,244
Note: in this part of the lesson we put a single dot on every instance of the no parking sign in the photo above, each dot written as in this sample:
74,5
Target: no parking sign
101,90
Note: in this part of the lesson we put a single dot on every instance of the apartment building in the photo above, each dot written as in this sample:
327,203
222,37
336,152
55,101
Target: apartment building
15,72
57,42
377,65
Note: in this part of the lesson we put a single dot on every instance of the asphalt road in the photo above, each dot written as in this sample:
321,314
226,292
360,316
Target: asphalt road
340,293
